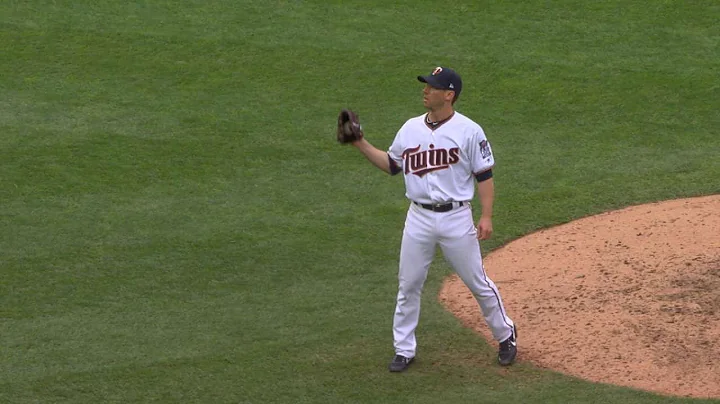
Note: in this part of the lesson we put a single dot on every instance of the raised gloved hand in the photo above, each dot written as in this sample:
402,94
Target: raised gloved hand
349,129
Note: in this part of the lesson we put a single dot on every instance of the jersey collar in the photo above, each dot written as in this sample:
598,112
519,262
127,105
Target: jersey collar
435,125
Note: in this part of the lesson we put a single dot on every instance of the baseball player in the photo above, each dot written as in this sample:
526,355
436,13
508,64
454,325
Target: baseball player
442,155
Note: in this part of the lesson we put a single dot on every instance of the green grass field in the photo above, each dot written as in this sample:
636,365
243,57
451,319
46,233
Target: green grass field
179,225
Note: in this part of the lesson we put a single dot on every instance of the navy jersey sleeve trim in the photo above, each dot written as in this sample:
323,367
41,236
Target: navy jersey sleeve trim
394,169
484,176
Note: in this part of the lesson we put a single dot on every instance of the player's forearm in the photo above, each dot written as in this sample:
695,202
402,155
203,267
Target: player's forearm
486,194
378,157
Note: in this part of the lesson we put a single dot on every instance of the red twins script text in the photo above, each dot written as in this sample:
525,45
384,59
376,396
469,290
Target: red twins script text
422,162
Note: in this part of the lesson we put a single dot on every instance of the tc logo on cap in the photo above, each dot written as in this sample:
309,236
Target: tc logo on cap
437,71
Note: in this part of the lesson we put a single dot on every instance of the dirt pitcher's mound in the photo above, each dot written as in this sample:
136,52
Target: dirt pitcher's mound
629,297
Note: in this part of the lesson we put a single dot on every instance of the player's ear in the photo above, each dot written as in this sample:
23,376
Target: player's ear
450,95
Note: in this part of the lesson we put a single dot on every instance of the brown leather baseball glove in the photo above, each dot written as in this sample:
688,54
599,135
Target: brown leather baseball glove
348,129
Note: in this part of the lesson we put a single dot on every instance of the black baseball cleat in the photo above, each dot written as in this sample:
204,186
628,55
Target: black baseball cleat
400,363
508,349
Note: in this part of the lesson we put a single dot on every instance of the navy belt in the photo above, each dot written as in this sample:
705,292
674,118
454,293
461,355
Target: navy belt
439,207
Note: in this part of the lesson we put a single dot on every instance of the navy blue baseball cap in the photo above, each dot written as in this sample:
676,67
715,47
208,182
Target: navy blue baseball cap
443,78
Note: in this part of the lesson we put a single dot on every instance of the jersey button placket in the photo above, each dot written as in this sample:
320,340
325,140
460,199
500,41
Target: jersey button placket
429,176
432,179
432,184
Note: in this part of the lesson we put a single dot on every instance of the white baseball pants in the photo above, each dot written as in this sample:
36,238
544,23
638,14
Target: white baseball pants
456,234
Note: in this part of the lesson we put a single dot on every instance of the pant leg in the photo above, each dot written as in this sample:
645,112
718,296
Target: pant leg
458,240
416,254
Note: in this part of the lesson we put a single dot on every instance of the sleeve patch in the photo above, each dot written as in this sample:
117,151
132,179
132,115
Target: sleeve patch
485,149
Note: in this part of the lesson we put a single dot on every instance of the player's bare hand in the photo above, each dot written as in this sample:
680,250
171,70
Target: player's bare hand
484,228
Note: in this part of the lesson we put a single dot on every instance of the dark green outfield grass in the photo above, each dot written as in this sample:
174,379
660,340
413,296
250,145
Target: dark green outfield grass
179,225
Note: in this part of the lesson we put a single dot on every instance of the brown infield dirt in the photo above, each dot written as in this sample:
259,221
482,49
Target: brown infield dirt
629,297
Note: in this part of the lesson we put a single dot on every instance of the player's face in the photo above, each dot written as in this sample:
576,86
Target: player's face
435,98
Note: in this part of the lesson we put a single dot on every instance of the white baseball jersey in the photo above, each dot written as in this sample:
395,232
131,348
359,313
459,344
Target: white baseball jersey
439,164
